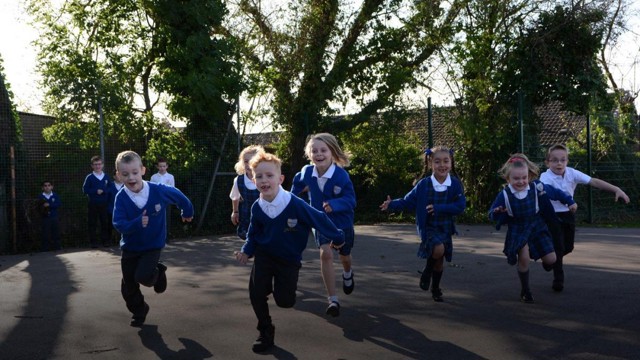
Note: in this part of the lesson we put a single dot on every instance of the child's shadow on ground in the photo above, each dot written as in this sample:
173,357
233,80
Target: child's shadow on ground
360,325
152,340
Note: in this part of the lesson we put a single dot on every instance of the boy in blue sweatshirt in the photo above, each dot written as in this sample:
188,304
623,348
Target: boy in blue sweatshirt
139,215
96,186
50,203
278,232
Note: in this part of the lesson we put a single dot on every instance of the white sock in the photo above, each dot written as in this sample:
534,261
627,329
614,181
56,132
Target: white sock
347,275
333,298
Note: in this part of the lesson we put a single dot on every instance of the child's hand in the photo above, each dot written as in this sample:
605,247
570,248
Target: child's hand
46,204
145,218
235,218
499,209
99,191
430,209
241,257
331,245
184,219
573,208
385,204
327,208
621,195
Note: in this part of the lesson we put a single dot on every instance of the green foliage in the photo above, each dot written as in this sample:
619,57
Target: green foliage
314,54
385,160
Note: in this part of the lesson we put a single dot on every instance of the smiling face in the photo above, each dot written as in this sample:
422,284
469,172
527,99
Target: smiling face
320,155
441,165
131,174
267,177
557,161
519,177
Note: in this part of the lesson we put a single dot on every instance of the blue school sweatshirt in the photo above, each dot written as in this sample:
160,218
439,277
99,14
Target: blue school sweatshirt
286,235
127,217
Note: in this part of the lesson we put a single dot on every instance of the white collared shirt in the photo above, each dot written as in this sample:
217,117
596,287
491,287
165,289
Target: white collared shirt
441,187
277,206
47,196
519,194
100,177
566,183
165,178
140,198
322,180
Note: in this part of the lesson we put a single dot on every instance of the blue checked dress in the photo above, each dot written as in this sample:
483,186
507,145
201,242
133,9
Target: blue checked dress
440,227
526,225
247,198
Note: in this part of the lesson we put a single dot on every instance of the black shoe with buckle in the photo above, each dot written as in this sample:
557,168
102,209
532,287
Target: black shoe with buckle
264,341
161,284
348,289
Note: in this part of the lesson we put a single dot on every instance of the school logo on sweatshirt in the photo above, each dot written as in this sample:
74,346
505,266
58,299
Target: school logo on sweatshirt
158,207
292,223
540,188
337,190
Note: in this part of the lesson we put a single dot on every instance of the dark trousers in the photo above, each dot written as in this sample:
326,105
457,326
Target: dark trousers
50,233
563,233
99,213
138,268
271,275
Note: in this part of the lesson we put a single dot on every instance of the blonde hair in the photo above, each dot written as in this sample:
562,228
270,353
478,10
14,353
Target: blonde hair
262,156
251,149
127,157
341,158
519,160
554,148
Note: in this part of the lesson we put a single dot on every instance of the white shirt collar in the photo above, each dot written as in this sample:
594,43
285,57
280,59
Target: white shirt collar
440,187
140,198
328,174
100,176
47,196
519,194
248,183
277,206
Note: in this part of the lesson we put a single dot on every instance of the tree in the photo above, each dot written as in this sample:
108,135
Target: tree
320,56
135,58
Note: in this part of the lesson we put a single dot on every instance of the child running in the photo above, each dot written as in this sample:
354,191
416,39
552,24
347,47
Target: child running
329,189
524,204
436,199
139,215
566,178
278,233
244,192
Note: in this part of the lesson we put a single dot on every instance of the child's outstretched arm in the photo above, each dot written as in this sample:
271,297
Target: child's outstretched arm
603,185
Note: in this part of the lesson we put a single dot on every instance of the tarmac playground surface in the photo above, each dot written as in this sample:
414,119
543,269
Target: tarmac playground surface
67,305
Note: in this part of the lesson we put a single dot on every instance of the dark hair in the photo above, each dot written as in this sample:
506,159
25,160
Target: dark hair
46,181
161,159
428,158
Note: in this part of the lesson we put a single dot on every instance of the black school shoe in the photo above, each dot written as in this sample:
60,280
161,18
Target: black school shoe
348,289
333,309
138,320
526,297
437,295
264,341
161,284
